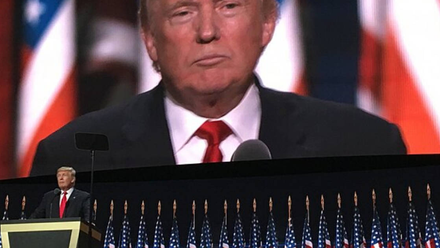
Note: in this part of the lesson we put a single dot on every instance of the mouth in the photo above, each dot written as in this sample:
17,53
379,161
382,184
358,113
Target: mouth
210,60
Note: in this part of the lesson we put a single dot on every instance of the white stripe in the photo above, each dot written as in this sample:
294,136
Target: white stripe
327,242
309,243
416,25
370,18
52,61
281,65
148,77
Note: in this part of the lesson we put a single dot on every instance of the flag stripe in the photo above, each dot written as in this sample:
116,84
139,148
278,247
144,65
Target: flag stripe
6,98
58,114
281,66
404,104
47,91
418,41
398,66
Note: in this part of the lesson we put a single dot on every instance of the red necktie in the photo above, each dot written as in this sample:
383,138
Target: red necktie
214,132
63,204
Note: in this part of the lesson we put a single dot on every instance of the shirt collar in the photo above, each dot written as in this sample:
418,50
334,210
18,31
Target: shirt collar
244,119
69,191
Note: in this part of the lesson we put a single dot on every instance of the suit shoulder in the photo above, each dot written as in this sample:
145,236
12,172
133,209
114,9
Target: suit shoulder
337,113
328,123
105,121
81,193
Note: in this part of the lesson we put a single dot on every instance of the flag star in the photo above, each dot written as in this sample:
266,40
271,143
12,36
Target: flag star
34,10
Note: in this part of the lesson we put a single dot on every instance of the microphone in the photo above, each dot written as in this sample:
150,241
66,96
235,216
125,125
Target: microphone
56,192
251,150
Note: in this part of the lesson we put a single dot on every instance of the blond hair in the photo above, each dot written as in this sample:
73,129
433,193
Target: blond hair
67,168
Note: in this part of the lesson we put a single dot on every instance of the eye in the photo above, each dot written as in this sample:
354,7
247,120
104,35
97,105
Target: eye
181,13
230,8
230,5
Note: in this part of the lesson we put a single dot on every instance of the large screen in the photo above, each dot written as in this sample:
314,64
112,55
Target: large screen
63,59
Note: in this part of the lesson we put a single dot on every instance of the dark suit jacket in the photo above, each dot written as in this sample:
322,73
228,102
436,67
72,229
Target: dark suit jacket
292,126
78,205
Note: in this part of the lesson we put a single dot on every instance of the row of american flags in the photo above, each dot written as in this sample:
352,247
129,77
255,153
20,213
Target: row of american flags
396,79
410,236
395,236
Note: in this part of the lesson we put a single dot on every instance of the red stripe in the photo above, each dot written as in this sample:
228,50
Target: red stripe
6,98
369,64
301,86
403,103
26,55
61,111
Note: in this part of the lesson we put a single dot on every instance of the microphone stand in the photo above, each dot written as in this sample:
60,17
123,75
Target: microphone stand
92,156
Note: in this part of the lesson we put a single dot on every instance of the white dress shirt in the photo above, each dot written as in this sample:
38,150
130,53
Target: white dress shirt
69,193
244,121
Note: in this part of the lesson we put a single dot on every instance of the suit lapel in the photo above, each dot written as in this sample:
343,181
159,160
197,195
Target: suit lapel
147,139
69,204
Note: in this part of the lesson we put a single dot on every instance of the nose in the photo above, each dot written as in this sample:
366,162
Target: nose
208,29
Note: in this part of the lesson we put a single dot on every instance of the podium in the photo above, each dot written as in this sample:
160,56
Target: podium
48,233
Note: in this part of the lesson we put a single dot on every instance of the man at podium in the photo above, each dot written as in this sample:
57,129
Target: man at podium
65,201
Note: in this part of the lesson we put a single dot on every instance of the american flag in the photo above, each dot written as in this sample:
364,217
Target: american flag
142,238
357,235
323,235
159,241
289,241
238,236
206,236
23,215
191,241
109,239
271,234
341,239
432,239
306,241
47,98
376,231
125,235
255,233
174,238
393,229
224,240
413,238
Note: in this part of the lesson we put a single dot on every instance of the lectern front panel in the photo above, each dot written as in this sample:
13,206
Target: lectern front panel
49,239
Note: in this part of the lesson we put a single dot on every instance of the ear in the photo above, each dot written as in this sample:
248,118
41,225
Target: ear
268,29
73,179
149,42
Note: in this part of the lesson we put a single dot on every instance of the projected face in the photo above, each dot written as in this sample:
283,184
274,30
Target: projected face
65,180
206,48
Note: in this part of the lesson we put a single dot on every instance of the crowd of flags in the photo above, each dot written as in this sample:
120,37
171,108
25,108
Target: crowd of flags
395,236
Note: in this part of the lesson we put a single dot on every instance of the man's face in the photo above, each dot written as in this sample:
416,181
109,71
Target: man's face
204,47
65,180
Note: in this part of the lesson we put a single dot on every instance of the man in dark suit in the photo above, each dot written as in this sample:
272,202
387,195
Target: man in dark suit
209,100
65,201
